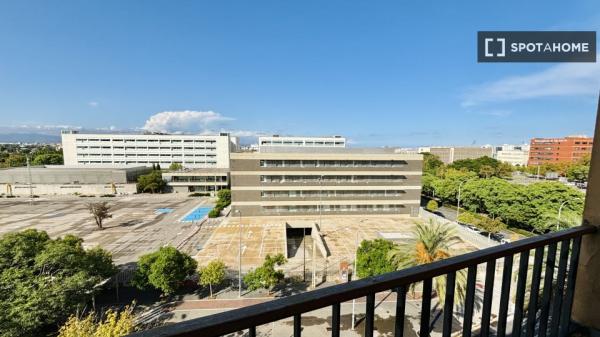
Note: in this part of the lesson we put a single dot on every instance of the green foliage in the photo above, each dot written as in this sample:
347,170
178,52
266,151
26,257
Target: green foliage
432,205
446,187
431,163
43,281
578,172
266,276
175,167
99,211
371,258
214,213
15,160
491,226
199,194
165,270
151,182
48,159
114,324
223,200
485,167
212,274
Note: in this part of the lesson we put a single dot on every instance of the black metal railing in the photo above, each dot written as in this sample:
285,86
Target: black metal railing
547,312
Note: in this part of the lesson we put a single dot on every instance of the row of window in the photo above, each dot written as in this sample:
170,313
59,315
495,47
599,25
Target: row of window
330,179
332,193
332,163
301,143
161,141
144,155
208,163
84,147
333,208
199,179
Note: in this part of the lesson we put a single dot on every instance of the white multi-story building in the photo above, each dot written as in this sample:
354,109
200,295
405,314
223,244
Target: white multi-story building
111,150
288,141
516,155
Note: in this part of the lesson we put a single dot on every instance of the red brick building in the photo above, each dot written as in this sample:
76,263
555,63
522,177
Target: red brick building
557,150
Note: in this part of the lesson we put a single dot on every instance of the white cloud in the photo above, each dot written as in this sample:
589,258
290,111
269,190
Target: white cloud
93,104
182,121
575,79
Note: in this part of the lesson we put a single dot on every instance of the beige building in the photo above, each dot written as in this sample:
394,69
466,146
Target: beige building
208,181
516,155
450,154
310,181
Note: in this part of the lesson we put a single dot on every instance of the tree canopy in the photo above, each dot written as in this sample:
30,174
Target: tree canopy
165,270
266,276
371,258
212,274
43,281
151,182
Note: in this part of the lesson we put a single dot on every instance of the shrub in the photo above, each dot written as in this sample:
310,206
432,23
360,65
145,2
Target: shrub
432,206
266,276
372,258
199,194
165,269
214,213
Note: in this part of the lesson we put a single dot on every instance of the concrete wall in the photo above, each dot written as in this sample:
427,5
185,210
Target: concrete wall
59,189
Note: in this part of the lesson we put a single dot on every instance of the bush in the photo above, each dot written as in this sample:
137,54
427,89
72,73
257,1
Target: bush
372,258
266,276
199,194
151,182
432,206
165,269
214,213
107,196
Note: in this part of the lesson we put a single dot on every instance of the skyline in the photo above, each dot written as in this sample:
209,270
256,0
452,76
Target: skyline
296,69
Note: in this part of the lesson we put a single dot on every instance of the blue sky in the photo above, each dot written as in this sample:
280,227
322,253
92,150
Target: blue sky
394,73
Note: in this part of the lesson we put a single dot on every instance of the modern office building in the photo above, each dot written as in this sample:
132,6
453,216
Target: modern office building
89,180
557,150
516,155
312,181
287,141
450,154
110,150
208,181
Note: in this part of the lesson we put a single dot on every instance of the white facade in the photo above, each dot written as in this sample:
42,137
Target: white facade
334,141
516,155
109,150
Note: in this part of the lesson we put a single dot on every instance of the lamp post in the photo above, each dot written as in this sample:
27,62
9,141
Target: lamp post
314,250
559,212
354,271
240,255
458,203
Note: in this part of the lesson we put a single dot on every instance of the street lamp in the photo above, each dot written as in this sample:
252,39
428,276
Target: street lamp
354,271
240,255
559,211
314,250
458,203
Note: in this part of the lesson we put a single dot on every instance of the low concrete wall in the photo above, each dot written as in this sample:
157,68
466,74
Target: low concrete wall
60,189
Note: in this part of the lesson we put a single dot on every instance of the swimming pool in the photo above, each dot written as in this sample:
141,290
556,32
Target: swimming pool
196,214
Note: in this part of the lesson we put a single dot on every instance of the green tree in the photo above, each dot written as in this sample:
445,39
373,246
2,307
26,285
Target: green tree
578,172
113,324
432,205
212,274
100,211
151,182
433,241
431,164
43,281
15,160
175,167
266,276
165,270
371,258
48,159
486,171
446,188
224,196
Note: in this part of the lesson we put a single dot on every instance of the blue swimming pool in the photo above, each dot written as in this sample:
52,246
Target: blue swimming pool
197,214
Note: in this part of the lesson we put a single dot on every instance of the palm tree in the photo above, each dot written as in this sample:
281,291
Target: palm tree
433,241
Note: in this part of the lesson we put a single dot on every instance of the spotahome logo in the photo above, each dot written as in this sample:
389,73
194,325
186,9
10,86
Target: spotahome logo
536,46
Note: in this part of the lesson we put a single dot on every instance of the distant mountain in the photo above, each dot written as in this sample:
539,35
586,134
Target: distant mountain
29,138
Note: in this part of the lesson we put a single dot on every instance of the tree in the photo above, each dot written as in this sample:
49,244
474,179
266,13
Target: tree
433,241
43,281
151,182
489,225
114,324
266,276
48,159
175,167
578,172
224,197
212,274
100,211
431,163
432,205
371,258
486,171
15,160
165,270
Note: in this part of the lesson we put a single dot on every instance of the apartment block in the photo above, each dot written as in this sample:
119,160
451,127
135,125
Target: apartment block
516,155
312,181
287,141
557,150
450,154
193,151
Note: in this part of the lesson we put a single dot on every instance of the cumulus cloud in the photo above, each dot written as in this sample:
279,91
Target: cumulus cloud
574,79
183,121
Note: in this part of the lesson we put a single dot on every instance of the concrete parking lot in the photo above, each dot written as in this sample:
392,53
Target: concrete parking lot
134,229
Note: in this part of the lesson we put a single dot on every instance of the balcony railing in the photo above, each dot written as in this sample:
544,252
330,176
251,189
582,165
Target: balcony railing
547,313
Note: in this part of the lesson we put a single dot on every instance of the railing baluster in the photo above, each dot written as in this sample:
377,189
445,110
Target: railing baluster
449,304
504,296
400,308
369,319
252,331
425,308
535,291
571,277
297,325
520,299
335,320
548,278
560,283
490,272
469,301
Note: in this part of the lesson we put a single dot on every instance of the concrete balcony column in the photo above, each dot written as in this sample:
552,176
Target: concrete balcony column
586,305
